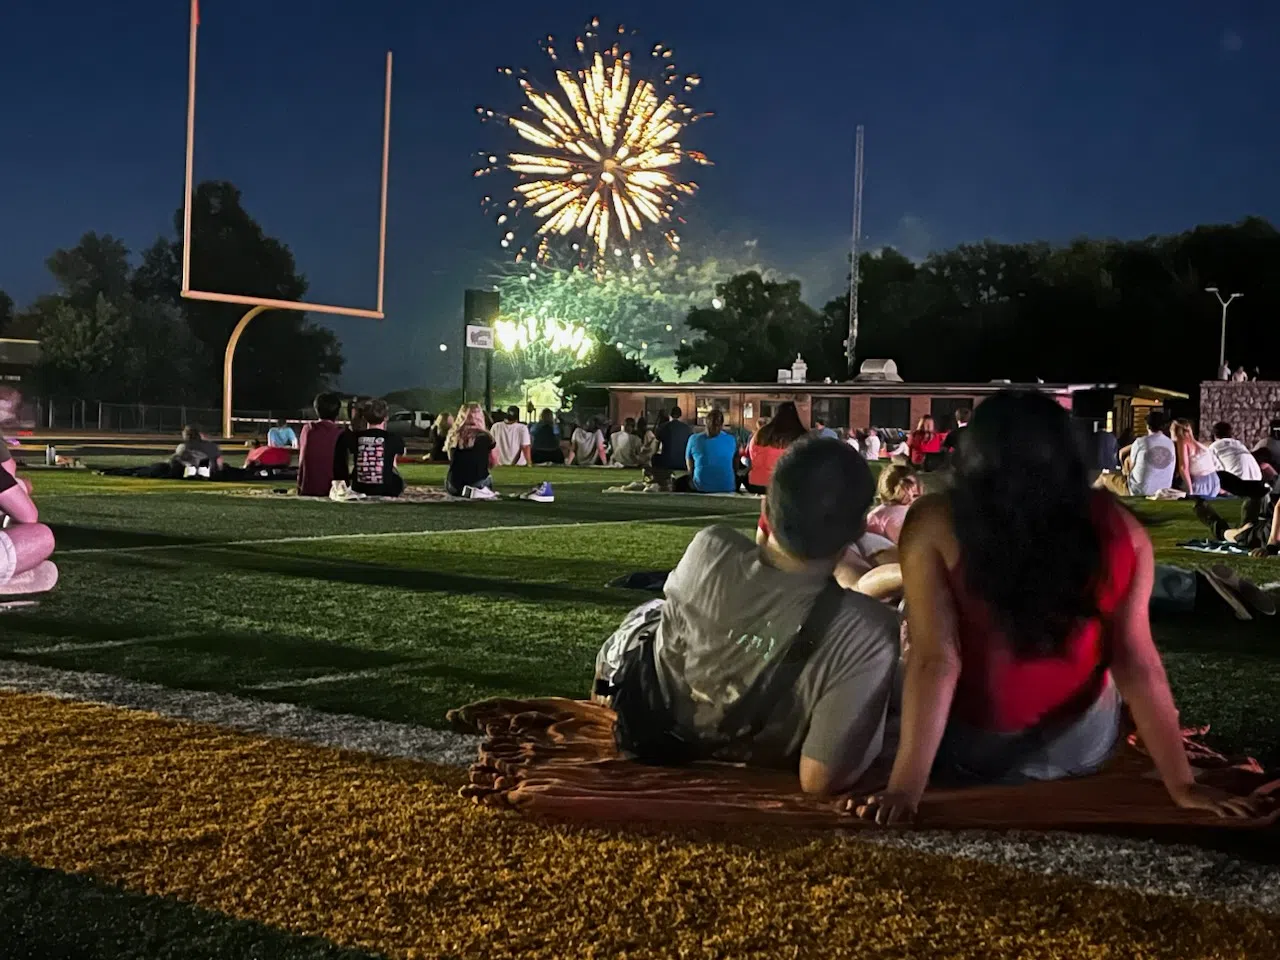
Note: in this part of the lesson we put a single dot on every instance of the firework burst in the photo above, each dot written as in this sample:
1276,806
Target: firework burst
602,171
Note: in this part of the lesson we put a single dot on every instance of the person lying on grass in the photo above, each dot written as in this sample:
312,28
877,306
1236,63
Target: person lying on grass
1027,597
734,610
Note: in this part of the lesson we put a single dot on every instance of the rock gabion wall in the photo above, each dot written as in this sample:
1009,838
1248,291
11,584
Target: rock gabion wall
1249,408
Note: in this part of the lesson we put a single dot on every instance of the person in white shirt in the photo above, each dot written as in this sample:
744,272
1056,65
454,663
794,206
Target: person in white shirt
871,449
588,445
626,445
1148,464
512,440
1234,458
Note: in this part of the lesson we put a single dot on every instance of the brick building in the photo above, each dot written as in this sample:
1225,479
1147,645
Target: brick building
879,398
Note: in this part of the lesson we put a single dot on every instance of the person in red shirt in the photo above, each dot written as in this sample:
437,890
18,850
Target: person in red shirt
264,457
770,442
1027,597
323,454
923,442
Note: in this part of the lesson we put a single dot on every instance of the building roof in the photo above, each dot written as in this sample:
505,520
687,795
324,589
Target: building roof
19,352
892,388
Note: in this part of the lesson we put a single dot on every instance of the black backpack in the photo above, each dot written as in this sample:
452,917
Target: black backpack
645,729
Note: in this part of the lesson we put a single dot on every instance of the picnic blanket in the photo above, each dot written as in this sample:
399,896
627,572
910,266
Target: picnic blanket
1206,545
409,495
556,757
626,488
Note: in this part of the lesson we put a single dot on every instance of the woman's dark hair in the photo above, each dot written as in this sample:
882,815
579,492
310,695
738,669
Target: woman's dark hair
1022,510
547,417
783,430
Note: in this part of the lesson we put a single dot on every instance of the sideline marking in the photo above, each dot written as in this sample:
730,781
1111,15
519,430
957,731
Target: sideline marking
505,528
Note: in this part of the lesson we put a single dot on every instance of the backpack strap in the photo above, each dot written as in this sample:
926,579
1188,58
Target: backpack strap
746,718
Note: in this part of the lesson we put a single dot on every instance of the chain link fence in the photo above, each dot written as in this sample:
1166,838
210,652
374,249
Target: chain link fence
76,415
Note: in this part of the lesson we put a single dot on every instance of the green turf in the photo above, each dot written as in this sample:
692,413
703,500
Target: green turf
409,609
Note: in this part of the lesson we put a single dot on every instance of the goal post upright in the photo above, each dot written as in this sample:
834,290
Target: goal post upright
259,305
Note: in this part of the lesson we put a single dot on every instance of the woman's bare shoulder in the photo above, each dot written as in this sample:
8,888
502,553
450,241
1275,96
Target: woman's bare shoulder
929,519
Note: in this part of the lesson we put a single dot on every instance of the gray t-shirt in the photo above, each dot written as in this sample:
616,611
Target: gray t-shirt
197,453
1154,463
729,614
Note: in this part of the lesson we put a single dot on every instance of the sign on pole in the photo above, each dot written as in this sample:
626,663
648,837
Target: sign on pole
479,337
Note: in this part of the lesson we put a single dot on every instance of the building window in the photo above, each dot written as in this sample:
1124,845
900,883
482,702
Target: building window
833,411
892,413
705,404
943,410
655,405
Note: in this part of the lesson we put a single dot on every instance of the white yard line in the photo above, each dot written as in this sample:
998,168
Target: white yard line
98,645
388,534
1181,871
285,720
318,681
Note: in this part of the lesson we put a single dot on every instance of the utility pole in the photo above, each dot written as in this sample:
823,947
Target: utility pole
1222,350
852,342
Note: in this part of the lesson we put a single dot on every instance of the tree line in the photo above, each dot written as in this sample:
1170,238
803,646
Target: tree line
1088,311
119,331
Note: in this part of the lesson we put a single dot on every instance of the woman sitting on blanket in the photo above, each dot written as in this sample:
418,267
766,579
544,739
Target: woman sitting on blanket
471,452
1027,596
1197,464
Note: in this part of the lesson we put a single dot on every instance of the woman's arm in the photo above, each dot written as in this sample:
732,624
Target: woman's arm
1140,678
933,664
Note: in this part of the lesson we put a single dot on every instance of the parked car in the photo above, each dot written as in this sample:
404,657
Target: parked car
410,423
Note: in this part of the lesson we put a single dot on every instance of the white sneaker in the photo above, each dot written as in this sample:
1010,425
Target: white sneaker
41,578
478,493
341,492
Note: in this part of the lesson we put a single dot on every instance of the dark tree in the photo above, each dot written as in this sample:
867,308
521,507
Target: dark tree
284,358
605,364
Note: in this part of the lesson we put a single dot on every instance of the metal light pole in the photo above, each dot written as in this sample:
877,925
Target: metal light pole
1222,350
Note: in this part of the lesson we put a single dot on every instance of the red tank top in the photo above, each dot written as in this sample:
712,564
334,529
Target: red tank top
999,692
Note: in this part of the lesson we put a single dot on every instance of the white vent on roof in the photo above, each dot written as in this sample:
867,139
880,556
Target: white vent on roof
882,370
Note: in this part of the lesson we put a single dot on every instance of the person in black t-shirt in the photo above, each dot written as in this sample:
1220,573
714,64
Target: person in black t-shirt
471,452
374,451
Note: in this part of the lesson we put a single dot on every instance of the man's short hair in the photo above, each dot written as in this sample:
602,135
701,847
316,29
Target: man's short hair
963,414
328,406
282,421
1156,420
1221,431
513,414
375,412
676,413
818,498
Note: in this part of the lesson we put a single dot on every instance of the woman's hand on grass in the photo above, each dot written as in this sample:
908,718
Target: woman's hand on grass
1196,796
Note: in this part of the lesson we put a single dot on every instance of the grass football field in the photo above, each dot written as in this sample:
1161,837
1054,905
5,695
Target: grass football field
123,826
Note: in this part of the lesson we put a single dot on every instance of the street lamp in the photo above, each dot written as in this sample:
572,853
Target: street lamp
1222,350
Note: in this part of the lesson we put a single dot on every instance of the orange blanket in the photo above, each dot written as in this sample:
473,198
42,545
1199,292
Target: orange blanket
556,757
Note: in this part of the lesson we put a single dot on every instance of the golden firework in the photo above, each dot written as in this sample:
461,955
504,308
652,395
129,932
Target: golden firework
604,170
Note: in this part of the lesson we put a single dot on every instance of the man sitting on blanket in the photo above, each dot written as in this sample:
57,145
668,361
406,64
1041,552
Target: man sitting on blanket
730,604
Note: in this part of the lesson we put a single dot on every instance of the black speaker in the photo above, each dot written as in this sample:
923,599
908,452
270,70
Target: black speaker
481,307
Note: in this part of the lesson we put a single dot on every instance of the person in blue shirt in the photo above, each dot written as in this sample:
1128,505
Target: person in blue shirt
282,435
709,457
820,429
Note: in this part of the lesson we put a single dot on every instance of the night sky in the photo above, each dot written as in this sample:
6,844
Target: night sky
1013,120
